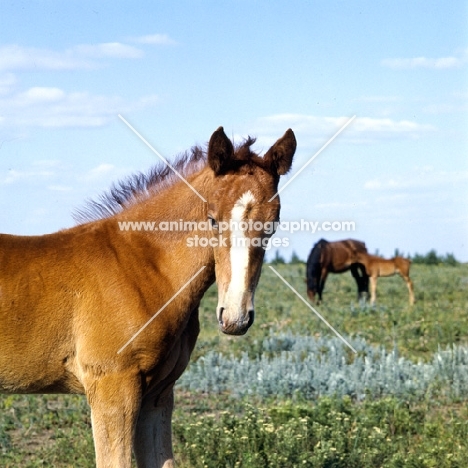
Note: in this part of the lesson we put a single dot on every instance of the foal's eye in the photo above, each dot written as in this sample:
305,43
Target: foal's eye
213,222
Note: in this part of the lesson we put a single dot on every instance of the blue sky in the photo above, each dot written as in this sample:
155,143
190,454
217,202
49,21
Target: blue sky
178,70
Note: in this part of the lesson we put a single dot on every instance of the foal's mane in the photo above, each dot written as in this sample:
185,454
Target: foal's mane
141,186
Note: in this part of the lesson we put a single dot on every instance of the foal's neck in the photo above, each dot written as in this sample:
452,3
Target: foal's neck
163,240
180,201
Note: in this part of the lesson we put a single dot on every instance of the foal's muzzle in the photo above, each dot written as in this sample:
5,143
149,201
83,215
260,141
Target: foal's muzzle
236,327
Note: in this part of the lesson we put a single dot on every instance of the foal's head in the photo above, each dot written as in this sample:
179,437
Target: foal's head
243,219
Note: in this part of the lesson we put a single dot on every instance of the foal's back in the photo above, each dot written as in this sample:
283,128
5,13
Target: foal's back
378,266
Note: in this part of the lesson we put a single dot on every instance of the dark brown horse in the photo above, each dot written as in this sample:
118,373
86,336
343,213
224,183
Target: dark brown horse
335,257
77,306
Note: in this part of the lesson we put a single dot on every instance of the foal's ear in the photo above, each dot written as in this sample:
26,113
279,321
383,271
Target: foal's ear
280,155
220,151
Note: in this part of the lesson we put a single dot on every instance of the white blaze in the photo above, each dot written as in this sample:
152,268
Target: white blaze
239,253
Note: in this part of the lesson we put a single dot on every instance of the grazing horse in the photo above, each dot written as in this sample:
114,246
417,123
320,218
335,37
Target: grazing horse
77,306
335,257
376,266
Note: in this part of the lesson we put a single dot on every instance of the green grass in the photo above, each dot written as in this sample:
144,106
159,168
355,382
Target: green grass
439,317
222,431
328,433
45,431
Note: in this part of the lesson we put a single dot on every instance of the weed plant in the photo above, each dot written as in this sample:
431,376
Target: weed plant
313,367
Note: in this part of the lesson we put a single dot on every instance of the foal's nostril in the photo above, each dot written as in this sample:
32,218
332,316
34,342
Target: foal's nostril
251,318
220,318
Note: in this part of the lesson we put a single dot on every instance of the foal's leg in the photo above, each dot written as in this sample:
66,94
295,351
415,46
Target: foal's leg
115,404
153,439
409,283
373,283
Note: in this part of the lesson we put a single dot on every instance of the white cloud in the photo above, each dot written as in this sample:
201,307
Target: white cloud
51,107
153,39
14,57
41,94
312,130
366,127
441,63
418,179
462,95
47,163
14,176
7,83
102,175
445,108
377,184
340,205
60,188
99,171
378,99
108,49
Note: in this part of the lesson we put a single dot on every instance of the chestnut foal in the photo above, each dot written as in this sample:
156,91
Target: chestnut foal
77,306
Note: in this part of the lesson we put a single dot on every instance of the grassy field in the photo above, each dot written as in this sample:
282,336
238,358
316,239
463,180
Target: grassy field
438,318
221,429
